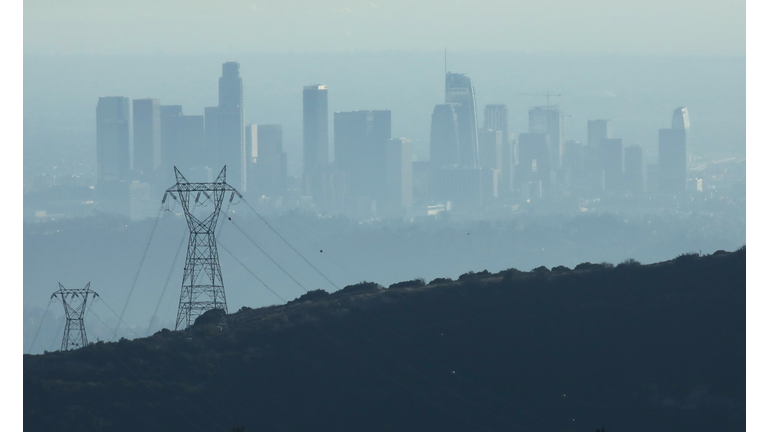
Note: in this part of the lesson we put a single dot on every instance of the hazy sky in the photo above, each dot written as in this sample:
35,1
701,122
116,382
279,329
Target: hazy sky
554,26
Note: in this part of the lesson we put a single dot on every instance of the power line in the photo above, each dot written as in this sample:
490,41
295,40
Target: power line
290,246
138,270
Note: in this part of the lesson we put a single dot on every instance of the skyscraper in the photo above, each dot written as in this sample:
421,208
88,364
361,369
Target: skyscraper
112,141
597,130
611,162
680,121
359,140
227,138
146,137
533,161
633,169
672,159
182,139
444,137
315,125
490,149
573,156
399,184
547,120
496,118
267,162
461,95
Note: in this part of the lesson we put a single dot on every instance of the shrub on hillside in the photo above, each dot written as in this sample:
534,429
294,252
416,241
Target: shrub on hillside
407,284
440,281
311,295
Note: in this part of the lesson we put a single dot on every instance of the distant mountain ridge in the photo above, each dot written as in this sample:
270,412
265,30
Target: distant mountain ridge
634,347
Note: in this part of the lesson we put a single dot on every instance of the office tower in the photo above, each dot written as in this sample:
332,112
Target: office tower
226,140
399,184
462,186
680,121
461,95
633,169
267,162
597,130
315,125
611,162
533,161
146,137
359,140
444,137
573,156
490,149
672,158
182,142
112,146
548,120
421,172
496,118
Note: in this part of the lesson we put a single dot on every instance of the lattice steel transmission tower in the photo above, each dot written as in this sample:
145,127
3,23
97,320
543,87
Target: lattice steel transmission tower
202,287
74,301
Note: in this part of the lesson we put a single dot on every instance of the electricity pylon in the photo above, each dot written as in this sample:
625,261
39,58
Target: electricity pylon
74,301
202,287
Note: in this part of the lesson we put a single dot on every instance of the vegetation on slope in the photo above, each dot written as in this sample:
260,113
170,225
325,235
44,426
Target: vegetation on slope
634,347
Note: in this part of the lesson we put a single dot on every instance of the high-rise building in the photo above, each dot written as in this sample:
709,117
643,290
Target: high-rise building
490,149
444,137
461,95
672,159
680,121
496,118
466,188
573,156
267,162
359,140
548,120
633,169
533,161
315,126
227,136
611,162
597,130
182,142
112,140
398,181
146,137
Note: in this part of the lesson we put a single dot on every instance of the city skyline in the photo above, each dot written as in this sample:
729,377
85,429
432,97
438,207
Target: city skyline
471,167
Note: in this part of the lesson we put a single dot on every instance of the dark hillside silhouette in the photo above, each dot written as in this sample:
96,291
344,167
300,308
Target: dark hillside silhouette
634,347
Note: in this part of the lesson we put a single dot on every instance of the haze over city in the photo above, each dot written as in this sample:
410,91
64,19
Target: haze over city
367,145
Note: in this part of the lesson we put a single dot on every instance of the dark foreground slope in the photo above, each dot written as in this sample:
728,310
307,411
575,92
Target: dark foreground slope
637,348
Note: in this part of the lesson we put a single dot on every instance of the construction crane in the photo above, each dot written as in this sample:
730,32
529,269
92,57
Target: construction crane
547,94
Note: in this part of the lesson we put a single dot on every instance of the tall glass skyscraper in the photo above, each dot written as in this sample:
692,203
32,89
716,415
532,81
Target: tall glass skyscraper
444,137
112,140
547,120
680,121
146,137
227,138
315,125
359,141
461,95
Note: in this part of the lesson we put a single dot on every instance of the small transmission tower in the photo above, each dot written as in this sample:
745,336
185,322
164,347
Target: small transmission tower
74,301
202,287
